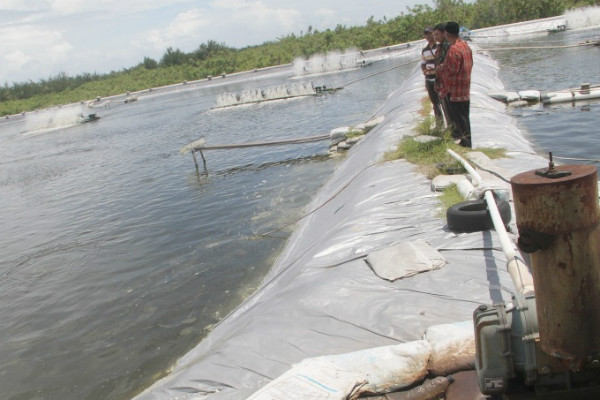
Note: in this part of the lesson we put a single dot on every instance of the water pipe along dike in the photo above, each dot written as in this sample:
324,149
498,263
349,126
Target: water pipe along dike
324,322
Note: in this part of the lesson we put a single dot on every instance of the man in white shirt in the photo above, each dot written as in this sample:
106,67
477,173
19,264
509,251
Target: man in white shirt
428,68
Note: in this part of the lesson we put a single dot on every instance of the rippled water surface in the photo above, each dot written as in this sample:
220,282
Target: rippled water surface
116,257
567,129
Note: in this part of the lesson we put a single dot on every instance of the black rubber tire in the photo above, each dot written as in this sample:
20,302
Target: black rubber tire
474,216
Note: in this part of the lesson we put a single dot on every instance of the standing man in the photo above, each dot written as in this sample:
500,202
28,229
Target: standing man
456,84
442,48
428,68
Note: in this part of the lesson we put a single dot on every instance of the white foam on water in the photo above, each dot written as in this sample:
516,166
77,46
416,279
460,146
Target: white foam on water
583,18
332,61
270,93
53,119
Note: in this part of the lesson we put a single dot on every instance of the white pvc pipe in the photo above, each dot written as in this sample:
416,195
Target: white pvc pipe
474,174
518,271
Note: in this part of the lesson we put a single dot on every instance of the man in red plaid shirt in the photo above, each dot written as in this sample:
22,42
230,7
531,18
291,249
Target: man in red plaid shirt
455,84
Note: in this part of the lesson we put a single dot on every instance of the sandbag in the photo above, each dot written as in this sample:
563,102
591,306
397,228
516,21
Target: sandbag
504,96
530,95
338,135
452,347
346,376
403,260
441,182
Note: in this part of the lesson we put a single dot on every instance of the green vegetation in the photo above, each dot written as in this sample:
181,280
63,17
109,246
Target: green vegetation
431,156
425,155
492,153
213,58
450,196
426,107
356,133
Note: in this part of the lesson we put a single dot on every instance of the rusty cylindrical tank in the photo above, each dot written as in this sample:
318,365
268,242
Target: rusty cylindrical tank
558,220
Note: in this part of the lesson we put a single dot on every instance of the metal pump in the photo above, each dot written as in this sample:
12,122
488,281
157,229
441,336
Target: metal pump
549,340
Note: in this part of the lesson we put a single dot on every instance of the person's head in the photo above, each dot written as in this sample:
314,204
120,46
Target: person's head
428,35
438,33
452,30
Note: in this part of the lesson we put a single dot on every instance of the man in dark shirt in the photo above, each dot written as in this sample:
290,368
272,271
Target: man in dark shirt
439,37
428,68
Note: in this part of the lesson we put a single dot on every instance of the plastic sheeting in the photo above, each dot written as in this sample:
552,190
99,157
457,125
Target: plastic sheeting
321,298
520,29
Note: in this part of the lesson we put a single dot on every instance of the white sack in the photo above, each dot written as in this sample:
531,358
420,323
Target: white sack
503,95
377,370
532,95
404,259
452,347
338,135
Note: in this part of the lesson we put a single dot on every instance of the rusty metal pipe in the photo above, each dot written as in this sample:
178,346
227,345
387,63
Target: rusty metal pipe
558,219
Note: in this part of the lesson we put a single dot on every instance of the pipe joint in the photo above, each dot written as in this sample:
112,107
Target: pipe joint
531,241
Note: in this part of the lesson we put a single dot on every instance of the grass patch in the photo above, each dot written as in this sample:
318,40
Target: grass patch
431,157
426,107
493,152
356,133
427,127
449,197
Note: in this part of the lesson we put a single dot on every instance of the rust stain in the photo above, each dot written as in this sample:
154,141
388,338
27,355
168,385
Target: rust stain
562,265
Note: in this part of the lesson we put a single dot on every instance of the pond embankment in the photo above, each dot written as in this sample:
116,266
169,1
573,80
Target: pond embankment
323,298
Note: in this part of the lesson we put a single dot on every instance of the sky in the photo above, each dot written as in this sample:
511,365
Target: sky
42,38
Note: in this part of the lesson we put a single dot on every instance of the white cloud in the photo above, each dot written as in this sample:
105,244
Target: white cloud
24,47
231,4
17,59
20,5
43,37
326,12
120,7
186,25
235,22
68,6
49,44
259,15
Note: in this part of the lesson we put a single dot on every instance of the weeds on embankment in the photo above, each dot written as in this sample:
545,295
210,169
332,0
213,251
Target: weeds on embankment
431,156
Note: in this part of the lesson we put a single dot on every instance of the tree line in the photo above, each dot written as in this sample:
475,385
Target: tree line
214,58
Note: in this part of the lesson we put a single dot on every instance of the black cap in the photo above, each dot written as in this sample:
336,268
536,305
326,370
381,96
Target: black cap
427,30
452,27
440,27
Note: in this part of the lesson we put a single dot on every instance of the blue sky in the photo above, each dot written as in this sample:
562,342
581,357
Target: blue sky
41,38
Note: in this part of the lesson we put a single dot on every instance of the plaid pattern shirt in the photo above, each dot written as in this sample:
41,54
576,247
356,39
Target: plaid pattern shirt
440,54
455,74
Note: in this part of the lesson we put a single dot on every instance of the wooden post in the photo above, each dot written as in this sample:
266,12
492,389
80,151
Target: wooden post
203,162
195,161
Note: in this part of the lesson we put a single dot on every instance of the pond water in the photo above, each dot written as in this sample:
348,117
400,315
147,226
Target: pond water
568,130
117,257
